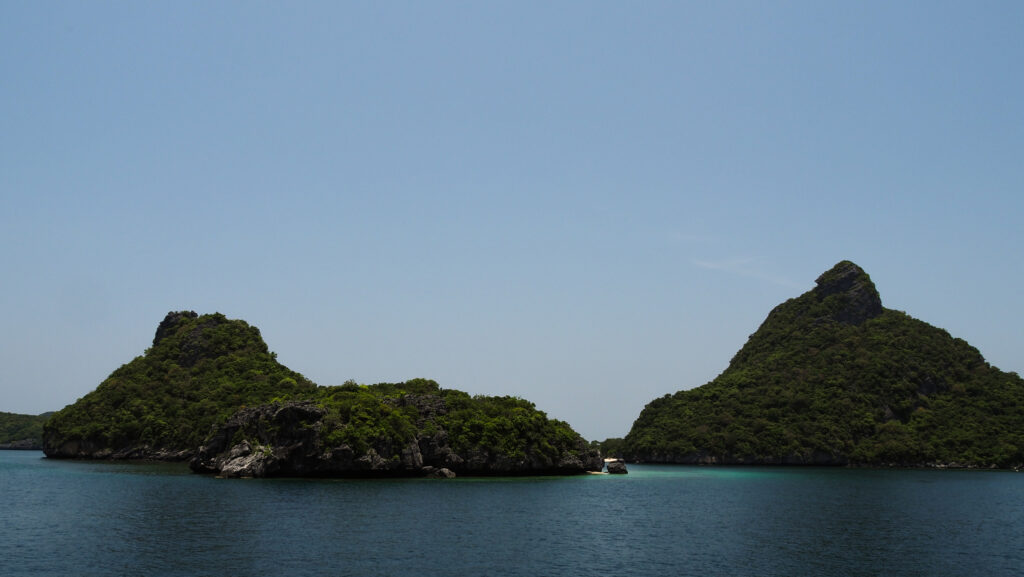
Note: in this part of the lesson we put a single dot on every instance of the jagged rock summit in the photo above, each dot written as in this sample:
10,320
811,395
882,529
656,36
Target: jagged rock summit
833,378
857,298
170,324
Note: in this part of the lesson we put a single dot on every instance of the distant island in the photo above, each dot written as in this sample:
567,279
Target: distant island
834,378
22,431
209,391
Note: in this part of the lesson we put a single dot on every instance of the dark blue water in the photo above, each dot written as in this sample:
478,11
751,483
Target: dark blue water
79,518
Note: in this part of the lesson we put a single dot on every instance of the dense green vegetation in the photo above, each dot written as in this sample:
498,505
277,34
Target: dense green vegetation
15,427
362,416
832,377
202,369
610,447
199,370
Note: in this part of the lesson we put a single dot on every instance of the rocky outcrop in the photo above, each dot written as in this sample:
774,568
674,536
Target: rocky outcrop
169,325
857,298
261,441
435,473
287,440
617,468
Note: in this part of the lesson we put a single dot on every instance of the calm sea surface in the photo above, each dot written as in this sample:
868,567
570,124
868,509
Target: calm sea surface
81,518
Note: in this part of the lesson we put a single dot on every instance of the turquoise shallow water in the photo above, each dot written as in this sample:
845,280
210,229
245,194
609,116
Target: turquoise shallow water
82,518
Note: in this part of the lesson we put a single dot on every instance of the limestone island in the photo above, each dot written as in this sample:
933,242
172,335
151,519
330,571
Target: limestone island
833,378
209,391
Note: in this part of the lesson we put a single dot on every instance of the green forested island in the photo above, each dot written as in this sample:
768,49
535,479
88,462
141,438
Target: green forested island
833,378
22,431
209,390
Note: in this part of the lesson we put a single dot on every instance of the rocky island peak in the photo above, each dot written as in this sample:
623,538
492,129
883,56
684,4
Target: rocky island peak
831,377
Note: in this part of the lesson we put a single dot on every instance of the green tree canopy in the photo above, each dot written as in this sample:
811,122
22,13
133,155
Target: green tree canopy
832,377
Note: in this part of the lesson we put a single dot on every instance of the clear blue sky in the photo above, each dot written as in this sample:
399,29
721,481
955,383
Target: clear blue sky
585,204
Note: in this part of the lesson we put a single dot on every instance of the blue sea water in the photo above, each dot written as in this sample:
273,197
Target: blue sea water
95,518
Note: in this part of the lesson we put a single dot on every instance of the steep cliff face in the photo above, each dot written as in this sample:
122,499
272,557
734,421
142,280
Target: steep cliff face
856,299
422,438
831,378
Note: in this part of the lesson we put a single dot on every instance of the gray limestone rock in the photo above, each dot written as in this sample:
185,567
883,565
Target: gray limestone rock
617,468
283,439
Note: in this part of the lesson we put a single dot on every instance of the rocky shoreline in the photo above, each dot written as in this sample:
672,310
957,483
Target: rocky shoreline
284,440
703,459
22,445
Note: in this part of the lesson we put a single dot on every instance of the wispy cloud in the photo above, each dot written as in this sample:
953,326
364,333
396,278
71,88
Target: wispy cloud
747,267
